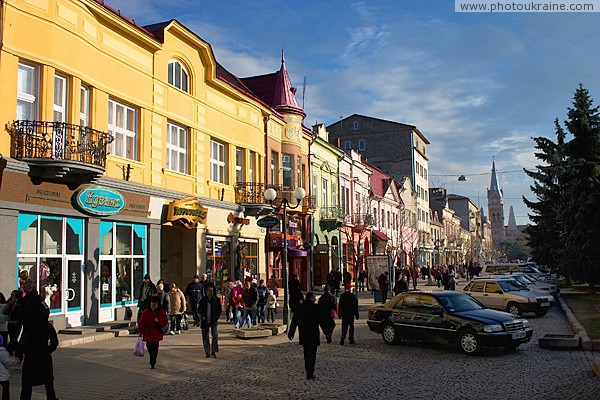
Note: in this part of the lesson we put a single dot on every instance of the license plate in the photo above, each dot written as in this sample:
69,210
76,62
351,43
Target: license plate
518,335
545,304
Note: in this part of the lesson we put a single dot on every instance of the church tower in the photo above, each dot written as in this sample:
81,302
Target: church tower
496,208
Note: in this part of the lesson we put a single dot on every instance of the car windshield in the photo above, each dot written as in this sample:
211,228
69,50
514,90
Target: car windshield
521,279
511,285
460,303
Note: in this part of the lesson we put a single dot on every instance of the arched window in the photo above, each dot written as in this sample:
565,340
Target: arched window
178,76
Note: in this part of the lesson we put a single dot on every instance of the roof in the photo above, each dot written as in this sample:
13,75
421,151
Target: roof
381,235
380,181
412,127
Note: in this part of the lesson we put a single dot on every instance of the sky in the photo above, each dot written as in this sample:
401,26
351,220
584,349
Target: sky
479,86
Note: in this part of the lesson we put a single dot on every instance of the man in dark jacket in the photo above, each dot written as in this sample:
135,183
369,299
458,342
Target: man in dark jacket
348,310
263,294
193,293
327,307
306,319
210,311
384,286
147,290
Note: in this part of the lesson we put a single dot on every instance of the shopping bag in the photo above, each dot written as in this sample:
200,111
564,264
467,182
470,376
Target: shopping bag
184,322
138,350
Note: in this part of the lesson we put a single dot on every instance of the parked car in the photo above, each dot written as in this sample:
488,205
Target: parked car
505,293
453,316
507,268
535,284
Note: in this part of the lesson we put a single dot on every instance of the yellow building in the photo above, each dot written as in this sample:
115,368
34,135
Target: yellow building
121,152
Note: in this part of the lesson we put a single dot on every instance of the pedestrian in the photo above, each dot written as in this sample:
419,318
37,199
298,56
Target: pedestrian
38,347
3,319
210,311
346,277
337,279
12,311
327,309
271,306
164,301
152,325
147,290
400,286
263,294
7,360
306,319
227,288
273,284
347,311
384,286
362,275
414,274
193,293
237,303
296,297
177,300
250,299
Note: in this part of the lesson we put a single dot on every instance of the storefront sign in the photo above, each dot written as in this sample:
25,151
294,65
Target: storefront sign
99,201
268,222
188,212
232,219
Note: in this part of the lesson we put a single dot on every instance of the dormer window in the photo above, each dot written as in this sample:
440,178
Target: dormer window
178,76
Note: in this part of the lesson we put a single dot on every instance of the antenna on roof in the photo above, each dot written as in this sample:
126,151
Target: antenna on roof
303,91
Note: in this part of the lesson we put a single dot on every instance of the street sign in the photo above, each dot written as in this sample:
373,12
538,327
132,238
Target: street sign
268,222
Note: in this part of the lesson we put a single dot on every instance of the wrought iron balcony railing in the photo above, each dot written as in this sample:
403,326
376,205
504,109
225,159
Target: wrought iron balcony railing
363,220
252,192
58,141
332,213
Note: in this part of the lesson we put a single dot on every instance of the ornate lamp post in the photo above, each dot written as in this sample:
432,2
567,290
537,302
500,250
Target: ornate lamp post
270,195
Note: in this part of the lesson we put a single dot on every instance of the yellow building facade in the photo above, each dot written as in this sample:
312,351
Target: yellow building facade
121,152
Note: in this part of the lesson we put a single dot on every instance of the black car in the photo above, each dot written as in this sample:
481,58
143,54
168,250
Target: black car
453,316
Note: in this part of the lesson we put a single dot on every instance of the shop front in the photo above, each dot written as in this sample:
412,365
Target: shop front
84,247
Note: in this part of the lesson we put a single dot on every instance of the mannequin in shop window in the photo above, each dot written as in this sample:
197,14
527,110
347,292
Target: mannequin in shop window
239,259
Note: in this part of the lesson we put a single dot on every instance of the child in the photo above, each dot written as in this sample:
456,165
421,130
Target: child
6,360
152,322
271,306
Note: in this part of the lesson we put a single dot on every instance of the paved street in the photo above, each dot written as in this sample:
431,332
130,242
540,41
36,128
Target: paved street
273,369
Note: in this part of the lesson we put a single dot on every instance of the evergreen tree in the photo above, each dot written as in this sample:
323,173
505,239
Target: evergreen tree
580,217
545,235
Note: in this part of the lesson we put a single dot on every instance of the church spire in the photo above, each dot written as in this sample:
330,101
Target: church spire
494,187
512,221
284,98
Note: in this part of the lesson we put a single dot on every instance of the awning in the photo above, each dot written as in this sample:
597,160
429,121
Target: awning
381,235
297,253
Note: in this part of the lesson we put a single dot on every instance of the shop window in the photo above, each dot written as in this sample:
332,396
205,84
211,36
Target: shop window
42,257
218,260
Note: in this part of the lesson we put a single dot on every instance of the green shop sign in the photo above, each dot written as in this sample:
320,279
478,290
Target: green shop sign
100,201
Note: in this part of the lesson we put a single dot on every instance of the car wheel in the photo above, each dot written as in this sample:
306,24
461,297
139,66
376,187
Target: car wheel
541,313
514,309
389,334
468,341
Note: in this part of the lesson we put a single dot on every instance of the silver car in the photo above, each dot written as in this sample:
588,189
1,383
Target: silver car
536,285
507,294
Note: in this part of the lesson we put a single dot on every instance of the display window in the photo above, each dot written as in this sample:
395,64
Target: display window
218,260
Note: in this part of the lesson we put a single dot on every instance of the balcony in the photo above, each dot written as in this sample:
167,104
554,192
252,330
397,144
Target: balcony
59,151
362,221
250,195
331,218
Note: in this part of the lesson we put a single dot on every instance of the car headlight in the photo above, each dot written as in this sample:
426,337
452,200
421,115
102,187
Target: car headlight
526,323
493,328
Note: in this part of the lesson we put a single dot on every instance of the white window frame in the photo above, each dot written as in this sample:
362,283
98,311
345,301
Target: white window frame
218,162
274,168
176,150
61,94
178,76
356,125
239,164
362,145
122,132
325,192
27,97
251,161
84,106
299,171
287,168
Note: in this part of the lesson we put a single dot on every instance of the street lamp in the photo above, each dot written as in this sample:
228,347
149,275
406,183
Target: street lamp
270,195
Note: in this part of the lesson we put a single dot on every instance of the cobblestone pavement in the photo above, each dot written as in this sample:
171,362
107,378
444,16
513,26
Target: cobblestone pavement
272,368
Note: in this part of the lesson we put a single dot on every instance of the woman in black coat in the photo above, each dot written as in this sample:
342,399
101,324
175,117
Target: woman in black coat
38,347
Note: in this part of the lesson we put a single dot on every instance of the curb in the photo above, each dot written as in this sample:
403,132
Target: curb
586,344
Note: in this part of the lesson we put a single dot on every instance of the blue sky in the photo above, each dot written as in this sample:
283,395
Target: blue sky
477,85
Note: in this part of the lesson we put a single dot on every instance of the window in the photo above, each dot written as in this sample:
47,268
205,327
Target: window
347,201
361,144
389,222
27,92
425,173
334,199
239,164
408,304
492,287
274,169
251,161
477,287
375,215
60,98
84,106
315,189
355,125
178,76
347,144
325,193
123,126
429,304
218,161
287,168
299,171
382,225
177,148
